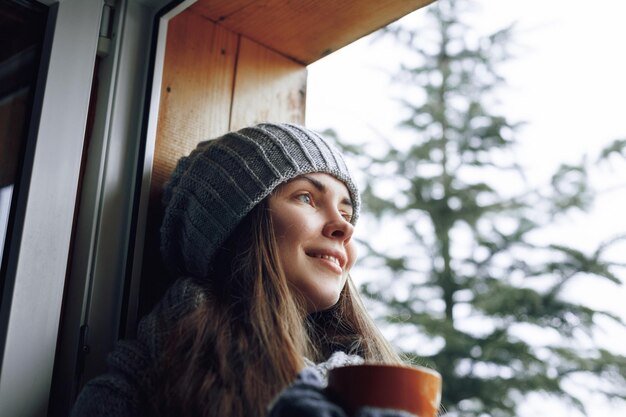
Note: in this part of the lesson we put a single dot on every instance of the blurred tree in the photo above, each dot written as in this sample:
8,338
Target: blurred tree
471,288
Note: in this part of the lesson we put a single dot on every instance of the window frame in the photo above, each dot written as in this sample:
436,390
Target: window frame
39,247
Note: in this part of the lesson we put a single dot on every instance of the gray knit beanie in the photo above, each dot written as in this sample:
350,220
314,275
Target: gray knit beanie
212,189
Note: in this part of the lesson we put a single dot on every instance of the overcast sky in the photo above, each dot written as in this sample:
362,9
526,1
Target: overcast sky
568,82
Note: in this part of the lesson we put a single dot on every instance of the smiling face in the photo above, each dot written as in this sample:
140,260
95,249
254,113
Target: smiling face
311,216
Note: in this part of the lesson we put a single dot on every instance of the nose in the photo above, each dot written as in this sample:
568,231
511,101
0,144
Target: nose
338,228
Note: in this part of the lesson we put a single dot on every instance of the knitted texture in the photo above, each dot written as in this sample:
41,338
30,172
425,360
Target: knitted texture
212,189
124,390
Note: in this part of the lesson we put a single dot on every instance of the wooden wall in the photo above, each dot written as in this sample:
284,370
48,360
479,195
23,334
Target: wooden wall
214,81
305,30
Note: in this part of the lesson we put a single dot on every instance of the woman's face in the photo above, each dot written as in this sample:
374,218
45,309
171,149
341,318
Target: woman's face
311,216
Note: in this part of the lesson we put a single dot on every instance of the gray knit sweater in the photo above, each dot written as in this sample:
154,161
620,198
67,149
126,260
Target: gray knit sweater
124,390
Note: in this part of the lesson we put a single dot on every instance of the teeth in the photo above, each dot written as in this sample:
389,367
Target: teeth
330,258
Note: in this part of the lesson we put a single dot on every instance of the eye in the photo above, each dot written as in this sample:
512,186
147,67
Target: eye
347,216
305,198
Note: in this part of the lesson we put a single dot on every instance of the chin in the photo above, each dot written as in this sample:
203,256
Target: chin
323,304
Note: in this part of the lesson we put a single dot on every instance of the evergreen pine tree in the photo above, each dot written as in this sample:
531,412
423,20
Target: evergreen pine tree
470,289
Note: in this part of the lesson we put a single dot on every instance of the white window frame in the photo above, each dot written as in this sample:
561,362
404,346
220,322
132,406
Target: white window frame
36,268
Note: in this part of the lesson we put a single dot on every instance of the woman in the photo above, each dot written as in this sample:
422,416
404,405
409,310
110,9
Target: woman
258,224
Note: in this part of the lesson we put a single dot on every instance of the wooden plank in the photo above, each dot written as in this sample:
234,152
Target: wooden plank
268,87
196,90
305,30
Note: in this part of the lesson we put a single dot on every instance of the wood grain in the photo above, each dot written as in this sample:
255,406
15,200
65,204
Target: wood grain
268,87
305,30
196,90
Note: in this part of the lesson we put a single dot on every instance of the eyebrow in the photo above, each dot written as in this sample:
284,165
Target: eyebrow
322,187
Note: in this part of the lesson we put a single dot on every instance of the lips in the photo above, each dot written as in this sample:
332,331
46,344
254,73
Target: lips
335,257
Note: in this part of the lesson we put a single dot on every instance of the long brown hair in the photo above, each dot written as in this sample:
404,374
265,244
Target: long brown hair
248,341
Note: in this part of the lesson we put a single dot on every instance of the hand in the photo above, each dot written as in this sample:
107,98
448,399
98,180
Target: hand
381,412
306,397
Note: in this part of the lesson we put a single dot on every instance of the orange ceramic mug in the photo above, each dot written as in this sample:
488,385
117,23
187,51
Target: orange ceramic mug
413,389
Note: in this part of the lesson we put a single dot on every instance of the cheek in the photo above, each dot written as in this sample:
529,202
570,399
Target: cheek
283,228
294,229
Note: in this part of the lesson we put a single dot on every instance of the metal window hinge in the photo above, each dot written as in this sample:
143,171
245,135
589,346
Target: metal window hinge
106,28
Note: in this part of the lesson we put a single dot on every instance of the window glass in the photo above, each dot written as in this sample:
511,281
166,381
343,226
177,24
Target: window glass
22,24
